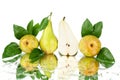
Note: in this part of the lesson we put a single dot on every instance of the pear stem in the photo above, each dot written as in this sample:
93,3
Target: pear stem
50,15
63,18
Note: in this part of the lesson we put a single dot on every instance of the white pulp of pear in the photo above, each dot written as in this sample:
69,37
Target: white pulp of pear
67,68
67,43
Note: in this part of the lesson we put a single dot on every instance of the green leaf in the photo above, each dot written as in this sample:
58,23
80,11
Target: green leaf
83,77
38,74
36,29
13,59
11,50
94,77
44,23
44,77
30,27
97,29
105,57
20,72
19,31
40,27
86,77
33,77
86,28
36,54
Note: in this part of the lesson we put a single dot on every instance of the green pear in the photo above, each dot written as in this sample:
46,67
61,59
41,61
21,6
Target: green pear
90,45
25,62
88,66
48,64
48,41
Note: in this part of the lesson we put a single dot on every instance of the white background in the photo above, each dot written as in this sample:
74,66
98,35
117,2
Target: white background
20,12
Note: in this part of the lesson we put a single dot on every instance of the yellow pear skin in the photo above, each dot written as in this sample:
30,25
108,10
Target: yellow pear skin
90,45
28,43
48,41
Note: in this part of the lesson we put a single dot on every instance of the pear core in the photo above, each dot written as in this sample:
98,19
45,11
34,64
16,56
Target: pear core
90,45
28,43
88,66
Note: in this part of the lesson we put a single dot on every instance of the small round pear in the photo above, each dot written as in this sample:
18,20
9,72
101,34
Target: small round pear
88,66
90,45
28,43
25,62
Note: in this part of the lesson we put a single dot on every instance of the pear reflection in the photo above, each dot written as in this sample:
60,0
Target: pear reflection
67,68
48,64
88,66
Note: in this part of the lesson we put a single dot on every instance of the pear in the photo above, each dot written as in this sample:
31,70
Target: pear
48,64
67,43
90,45
28,43
25,62
88,66
48,41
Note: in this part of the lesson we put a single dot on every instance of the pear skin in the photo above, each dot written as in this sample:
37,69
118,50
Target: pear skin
90,45
48,41
28,43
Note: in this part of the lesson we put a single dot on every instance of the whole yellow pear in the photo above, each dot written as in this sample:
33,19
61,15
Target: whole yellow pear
48,41
28,43
90,45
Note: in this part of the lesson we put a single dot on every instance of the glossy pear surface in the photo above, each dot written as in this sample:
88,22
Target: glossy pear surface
25,63
28,43
48,41
67,43
90,45
88,66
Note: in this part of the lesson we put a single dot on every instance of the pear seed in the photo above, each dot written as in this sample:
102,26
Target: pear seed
67,44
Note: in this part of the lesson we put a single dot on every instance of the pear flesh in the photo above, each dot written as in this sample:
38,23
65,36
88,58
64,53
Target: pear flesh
48,41
67,68
67,44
